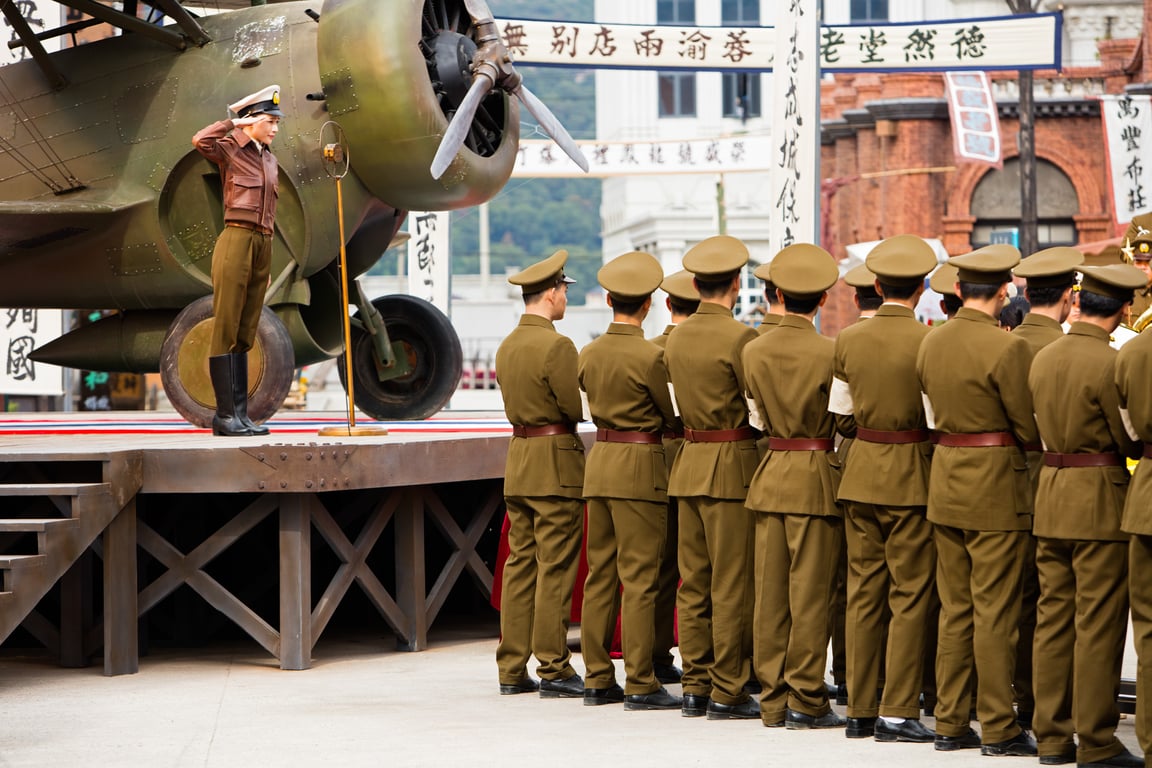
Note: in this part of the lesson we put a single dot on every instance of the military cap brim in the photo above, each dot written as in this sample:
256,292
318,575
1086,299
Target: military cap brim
681,286
716,257
803,269
944,280
266,101
900,261
633,275
1118,281
1051,267
543,274
860,277
990,265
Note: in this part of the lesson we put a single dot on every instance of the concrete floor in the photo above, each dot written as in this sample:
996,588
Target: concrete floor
363,704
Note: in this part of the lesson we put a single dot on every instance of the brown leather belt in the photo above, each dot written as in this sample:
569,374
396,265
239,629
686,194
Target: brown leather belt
247,225
892,437
618,436
719,435
1053,459
801,444
977,440
544,430
1033,447
673,434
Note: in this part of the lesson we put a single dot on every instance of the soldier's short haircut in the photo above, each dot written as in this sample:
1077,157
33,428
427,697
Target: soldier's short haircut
978,290
1098,305
683,307
714,287
952,303
1046,297
630,308
802,305
867,298
901,292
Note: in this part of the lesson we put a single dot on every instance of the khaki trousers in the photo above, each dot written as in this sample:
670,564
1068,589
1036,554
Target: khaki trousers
715,554
624,544
795,567
666,584
978,576
1082,620
241,263
1140,594
536,597
891,565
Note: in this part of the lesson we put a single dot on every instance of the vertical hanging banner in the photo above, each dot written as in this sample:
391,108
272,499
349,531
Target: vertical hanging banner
796,127
21,331
1127,139
975,121
428,256
41,16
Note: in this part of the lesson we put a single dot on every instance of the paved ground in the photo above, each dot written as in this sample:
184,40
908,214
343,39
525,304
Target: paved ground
363,704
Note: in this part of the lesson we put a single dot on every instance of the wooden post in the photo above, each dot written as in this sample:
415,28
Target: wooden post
121,641
411,584
295,582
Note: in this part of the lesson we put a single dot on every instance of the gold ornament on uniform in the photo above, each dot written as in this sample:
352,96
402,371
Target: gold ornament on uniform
1128,250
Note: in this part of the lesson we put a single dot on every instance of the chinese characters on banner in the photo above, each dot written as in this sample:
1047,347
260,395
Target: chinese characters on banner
428,258
975,121
21,331
1127,138
796,129
41,16
727,155
1006,42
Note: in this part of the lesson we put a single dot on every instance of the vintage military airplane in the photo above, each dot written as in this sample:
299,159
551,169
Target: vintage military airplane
104,204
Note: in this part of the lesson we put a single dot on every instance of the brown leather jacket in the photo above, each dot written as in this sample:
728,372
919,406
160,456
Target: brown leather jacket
251,183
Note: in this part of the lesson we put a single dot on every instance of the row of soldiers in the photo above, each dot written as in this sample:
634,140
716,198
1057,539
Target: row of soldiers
952,440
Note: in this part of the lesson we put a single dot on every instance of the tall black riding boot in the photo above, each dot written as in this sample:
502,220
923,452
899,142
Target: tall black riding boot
240,384
225,422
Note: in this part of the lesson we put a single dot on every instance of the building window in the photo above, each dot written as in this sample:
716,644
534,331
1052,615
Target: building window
677,90
741,95
734,13
868,11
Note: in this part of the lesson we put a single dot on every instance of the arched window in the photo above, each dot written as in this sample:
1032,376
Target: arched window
996,206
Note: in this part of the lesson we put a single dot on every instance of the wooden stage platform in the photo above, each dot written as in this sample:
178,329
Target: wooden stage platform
106,516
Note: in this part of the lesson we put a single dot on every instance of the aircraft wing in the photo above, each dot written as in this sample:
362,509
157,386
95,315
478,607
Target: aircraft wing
26,225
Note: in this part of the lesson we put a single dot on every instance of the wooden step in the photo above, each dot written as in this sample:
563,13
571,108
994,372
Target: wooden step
55,489
9,562
33,524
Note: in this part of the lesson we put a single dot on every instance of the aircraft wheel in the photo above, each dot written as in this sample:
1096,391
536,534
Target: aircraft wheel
433,352
184,365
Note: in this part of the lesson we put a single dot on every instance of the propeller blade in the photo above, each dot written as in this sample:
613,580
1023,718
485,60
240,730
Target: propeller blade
552,126
460,125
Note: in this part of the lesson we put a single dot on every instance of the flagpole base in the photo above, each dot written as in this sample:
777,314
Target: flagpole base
352,431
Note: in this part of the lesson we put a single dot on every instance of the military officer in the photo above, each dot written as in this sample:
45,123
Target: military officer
798,524
625,482
891,556
974,377
536,371
865,296
710,480
1050,276
1081,554
682,300
943,281
772,313
1138,248
1133,374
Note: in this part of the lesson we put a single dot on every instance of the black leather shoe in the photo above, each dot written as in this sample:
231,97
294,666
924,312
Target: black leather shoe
1020,745
1024,719
1068,758
749,710
658,699
968,740
1125,760
911,730
860,727
527,685
667,674
842,694
594,697
568,688
694,705
798,721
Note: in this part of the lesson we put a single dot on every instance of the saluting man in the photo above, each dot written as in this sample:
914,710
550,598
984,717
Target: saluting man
625,483
891,555
974,377
543,487
710,480
1081,553
242,259
793,493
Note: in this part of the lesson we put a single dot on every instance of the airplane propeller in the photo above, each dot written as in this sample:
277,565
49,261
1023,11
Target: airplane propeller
492,68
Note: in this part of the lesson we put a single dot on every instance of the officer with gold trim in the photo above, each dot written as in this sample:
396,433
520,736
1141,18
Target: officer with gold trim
543,487
1138,249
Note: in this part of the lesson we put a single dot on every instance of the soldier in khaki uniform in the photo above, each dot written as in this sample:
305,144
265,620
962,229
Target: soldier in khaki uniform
772,312
798,524
682,301
710,480
1081,554
943,281
1050,275
891,556
1138,249
543,479
974,377
625,483
865,296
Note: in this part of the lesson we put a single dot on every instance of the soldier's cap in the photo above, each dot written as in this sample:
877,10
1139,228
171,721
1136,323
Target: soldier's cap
764,272
943,280
990,265
542,275
680,286
716,257
1140,248
1051,267
1115,280
632,276
804,270
264,102
860,277
901,261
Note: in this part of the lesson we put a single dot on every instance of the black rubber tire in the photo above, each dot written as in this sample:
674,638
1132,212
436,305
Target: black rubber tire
184,365
434,353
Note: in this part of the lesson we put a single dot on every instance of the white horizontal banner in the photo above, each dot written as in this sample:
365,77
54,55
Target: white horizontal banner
1128,139
734,154
1003,42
